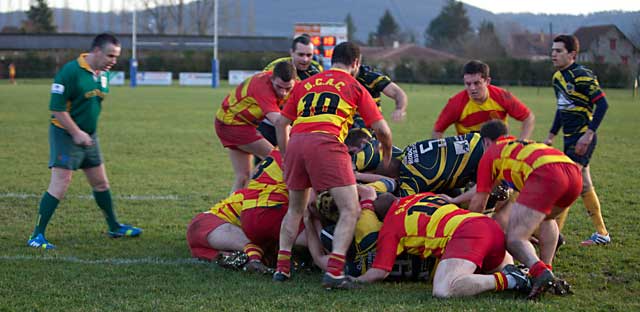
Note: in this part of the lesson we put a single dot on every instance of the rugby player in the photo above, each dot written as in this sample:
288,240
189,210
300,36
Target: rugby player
322,110
255,99
577,91
479,103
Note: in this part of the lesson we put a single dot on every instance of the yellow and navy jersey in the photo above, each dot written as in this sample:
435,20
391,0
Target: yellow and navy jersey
512,161
420,224
267,187
373,81
313,68
439,165
370,156
576,89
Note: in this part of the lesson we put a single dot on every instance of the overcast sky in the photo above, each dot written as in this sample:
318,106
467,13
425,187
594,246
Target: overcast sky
496,6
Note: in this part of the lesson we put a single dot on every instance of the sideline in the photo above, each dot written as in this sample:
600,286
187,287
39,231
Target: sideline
119,197
112,261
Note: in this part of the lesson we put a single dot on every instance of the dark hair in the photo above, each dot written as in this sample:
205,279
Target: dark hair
571,42
382,204
346,53
356,136
493,129
476,67
285,71
303,39
101,40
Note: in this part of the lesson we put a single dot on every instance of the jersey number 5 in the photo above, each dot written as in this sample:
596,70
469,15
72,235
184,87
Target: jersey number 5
316,104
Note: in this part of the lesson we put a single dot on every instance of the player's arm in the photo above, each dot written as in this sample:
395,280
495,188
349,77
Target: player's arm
383,134
312,227
273,117
527,126
283,127
448,116
373,275
555,127
394,91
601,108
484,183
479,201
60,95
462,198
369,177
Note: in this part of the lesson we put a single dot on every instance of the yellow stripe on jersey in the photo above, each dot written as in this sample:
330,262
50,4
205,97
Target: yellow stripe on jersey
437,216
229,208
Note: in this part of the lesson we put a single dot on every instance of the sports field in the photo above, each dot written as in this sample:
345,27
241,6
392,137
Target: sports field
165,165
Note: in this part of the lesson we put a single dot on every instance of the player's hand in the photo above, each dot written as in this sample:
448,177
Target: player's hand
548,142
583,143
448,198
82,138
398,115
366,192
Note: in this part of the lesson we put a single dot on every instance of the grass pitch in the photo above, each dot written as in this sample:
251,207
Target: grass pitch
165,165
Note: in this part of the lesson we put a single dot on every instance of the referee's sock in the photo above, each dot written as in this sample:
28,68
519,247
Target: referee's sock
48,205
103,199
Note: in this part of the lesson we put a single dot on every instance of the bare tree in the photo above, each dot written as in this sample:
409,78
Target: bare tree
157,16
201,13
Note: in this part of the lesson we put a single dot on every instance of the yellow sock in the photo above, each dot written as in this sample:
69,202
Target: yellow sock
561,218
592,203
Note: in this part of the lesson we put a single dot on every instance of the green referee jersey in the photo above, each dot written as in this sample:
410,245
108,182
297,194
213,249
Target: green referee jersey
77,90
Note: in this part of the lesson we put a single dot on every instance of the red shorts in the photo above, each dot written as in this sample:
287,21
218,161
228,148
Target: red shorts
233,136
262,225
555,184
197,232
479,240
317,160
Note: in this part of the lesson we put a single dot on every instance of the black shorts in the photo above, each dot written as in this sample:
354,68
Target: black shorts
570,149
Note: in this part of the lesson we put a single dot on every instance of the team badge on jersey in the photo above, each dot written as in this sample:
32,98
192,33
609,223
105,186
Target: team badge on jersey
570,88
462,147
57,88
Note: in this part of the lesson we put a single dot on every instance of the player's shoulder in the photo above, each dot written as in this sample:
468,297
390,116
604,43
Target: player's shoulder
273,63
368,74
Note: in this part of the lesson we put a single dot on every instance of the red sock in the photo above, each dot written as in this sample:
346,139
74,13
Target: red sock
336,264
284,261
501,281
253,251
537,269
549,266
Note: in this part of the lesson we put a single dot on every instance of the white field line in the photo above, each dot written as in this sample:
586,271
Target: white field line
111,261
118,197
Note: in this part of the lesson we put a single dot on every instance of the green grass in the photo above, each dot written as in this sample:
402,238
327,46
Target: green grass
159,145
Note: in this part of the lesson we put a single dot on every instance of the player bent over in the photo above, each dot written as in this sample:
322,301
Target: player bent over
548,182
426,225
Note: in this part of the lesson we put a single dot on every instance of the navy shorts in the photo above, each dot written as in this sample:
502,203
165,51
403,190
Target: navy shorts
570,149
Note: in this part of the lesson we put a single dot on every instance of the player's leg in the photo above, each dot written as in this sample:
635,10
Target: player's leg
260,148
227,237
455,278
346,198
58,185
241,164
592,205
97,177
523,221
289,231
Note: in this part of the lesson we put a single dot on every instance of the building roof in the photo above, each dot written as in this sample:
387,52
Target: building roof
587,34
405,51
530,45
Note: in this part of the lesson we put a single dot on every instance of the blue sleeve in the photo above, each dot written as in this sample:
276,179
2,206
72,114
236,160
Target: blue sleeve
557,123
598,114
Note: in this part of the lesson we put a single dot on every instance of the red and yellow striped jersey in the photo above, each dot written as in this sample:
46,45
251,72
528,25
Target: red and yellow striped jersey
327,102
250,102
420,224
513,161
229,209
267,188
468,116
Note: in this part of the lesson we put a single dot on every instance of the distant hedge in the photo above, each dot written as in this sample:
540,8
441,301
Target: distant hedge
503,72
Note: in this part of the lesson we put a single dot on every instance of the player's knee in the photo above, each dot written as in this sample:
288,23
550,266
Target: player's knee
442,290
101,186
